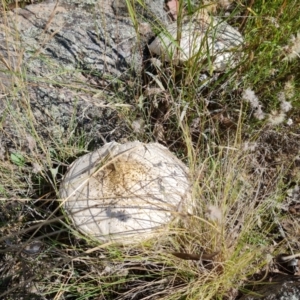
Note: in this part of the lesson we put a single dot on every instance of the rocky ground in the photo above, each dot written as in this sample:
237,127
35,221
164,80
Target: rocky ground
73,76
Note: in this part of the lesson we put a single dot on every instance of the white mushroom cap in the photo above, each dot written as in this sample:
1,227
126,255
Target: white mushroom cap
125,193
203,38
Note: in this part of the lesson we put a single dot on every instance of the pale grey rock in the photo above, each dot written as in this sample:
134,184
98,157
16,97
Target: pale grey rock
152,10
62,67
282,287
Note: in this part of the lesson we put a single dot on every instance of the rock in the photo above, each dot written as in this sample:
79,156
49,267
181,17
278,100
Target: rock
125,193
208,41
152,10
282,287
64,66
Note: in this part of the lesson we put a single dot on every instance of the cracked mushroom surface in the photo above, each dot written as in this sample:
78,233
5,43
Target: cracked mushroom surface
208,40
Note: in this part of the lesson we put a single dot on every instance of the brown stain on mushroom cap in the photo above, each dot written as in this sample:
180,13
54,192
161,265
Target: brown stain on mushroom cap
123,176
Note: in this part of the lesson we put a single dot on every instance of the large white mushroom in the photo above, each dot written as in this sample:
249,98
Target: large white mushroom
125,193
204,39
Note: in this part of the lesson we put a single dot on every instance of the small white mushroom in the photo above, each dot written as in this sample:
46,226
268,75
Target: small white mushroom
125,193
204,38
